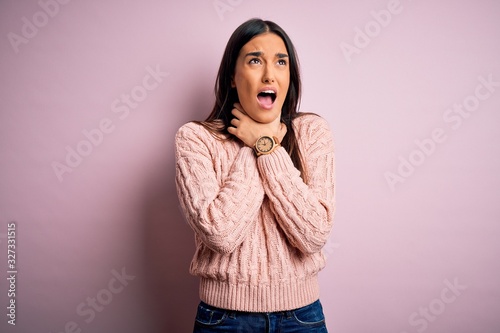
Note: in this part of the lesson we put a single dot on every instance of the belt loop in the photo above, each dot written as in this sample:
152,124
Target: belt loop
288,314
232,314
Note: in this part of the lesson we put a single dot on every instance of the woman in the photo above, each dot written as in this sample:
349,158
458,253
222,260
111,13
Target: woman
256,183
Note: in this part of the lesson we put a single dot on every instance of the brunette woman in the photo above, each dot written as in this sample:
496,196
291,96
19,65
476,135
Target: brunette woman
256,183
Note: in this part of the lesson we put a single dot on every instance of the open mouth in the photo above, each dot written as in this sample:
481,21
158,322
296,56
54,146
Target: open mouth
266,98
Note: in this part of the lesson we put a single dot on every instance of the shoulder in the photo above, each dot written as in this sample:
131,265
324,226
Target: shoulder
197,131
188,130
192,137
313,135
199,138
310,125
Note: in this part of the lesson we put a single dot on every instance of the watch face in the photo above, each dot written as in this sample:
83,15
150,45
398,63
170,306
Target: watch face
264,144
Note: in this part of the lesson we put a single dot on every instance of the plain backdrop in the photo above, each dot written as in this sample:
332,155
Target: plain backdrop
92,93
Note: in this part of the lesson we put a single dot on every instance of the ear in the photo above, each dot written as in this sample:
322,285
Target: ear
233,85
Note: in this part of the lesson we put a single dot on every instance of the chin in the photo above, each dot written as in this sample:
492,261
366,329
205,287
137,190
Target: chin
268,116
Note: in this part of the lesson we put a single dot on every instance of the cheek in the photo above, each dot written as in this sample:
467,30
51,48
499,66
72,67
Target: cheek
285,82
244,89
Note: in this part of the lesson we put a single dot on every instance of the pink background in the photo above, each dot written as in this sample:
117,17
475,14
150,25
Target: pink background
394,250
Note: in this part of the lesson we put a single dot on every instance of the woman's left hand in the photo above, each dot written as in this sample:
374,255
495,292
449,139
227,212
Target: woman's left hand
248,130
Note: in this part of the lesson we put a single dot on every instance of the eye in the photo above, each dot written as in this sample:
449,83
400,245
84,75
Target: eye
282,62
254,61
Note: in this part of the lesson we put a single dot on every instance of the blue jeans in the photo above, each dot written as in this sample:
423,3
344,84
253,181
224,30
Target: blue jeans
308,319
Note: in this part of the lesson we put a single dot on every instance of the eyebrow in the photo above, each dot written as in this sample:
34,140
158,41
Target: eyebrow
260,53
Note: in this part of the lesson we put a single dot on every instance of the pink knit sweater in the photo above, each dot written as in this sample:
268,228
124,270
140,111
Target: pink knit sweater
259,228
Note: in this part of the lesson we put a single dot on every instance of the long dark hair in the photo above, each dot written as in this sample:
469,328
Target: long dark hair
226,96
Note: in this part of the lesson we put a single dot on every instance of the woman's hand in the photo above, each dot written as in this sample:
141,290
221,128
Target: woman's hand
248,130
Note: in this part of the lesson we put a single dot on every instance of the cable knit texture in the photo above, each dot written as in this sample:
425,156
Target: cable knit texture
259,228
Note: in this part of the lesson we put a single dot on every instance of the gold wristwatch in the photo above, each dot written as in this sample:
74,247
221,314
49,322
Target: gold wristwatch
266,145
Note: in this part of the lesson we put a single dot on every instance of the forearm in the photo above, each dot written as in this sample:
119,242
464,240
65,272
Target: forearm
220,212
304,212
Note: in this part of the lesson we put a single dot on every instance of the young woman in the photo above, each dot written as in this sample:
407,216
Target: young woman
256,183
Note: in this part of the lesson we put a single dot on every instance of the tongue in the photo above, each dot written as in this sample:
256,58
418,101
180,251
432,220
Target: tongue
265,101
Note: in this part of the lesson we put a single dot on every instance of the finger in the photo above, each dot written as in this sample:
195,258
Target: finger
235,122
237,113
239,107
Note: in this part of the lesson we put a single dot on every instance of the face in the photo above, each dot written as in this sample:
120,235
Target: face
262,76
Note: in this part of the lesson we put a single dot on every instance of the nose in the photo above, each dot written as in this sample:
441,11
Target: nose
268,75
268,80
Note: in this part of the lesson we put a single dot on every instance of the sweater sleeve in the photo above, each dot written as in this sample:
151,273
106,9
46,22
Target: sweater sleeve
303,211
220,211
